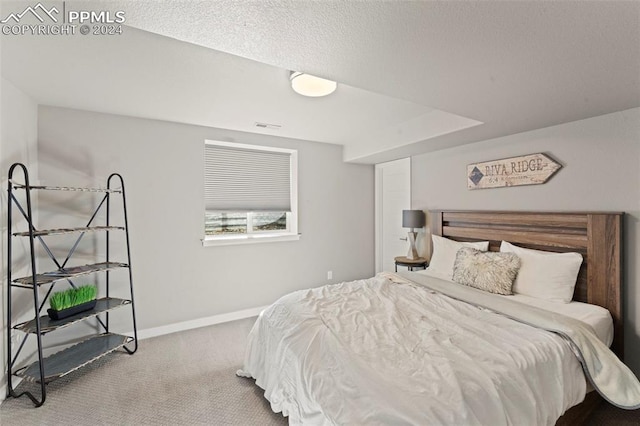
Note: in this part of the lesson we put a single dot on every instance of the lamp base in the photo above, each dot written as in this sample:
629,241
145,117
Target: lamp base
413,252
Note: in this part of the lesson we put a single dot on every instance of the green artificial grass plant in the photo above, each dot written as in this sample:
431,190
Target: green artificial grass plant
74,296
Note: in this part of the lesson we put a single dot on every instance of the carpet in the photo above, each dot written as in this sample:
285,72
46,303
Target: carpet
185,378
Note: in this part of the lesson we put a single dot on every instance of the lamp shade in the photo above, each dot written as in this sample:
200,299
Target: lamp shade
413,218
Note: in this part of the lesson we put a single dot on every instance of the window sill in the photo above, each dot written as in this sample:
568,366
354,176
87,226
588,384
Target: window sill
248,239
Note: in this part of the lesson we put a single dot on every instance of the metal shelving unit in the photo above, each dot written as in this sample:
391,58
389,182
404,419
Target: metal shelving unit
74,357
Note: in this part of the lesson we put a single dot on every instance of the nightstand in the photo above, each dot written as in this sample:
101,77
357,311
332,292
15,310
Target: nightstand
420,262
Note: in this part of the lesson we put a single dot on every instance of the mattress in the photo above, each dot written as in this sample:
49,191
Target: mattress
595,316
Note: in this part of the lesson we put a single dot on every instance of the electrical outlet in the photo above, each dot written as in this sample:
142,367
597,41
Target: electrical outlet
329,275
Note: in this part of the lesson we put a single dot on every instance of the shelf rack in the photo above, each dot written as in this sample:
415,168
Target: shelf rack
95,347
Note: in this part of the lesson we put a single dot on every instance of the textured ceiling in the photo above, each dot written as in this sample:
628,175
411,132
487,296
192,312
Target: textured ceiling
142,74
513,66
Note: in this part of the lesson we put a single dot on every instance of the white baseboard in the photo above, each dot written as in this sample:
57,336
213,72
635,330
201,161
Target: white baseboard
201,322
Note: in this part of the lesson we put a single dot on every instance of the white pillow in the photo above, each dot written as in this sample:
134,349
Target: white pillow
444,254
544,274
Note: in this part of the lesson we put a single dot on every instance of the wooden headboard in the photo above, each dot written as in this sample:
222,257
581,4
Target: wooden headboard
597,236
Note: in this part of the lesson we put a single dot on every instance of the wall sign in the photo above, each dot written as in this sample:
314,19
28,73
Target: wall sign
532,169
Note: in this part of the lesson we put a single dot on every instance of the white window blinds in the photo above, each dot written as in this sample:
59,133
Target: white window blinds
246,180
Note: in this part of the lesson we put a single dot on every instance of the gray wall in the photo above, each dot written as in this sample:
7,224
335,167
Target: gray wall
601,158
18,143
176,278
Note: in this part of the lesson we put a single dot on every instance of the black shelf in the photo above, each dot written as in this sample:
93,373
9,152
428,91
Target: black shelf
72,358
74,271
60,231
47,324
103,341
64,188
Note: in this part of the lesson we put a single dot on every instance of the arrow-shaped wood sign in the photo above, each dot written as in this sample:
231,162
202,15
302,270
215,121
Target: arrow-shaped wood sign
532,169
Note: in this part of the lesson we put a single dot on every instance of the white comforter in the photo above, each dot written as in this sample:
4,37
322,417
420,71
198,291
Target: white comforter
376,352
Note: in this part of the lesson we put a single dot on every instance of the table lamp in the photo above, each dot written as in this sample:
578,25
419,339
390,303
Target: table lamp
412,219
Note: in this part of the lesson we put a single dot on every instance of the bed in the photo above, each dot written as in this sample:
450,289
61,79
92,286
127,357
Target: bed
597,236
371,352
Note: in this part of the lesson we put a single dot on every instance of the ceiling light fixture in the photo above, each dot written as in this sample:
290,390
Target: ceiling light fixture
310,85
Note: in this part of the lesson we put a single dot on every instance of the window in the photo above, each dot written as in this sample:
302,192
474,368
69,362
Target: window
250,193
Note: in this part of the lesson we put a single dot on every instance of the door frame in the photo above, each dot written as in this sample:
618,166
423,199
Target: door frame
379,261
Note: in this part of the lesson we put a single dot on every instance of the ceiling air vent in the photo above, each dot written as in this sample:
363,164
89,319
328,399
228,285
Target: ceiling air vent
268,126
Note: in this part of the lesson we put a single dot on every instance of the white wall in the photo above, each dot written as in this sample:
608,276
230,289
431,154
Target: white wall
601,159
176,278
18,143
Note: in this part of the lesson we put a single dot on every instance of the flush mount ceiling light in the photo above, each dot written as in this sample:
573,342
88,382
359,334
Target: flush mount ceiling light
310,85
